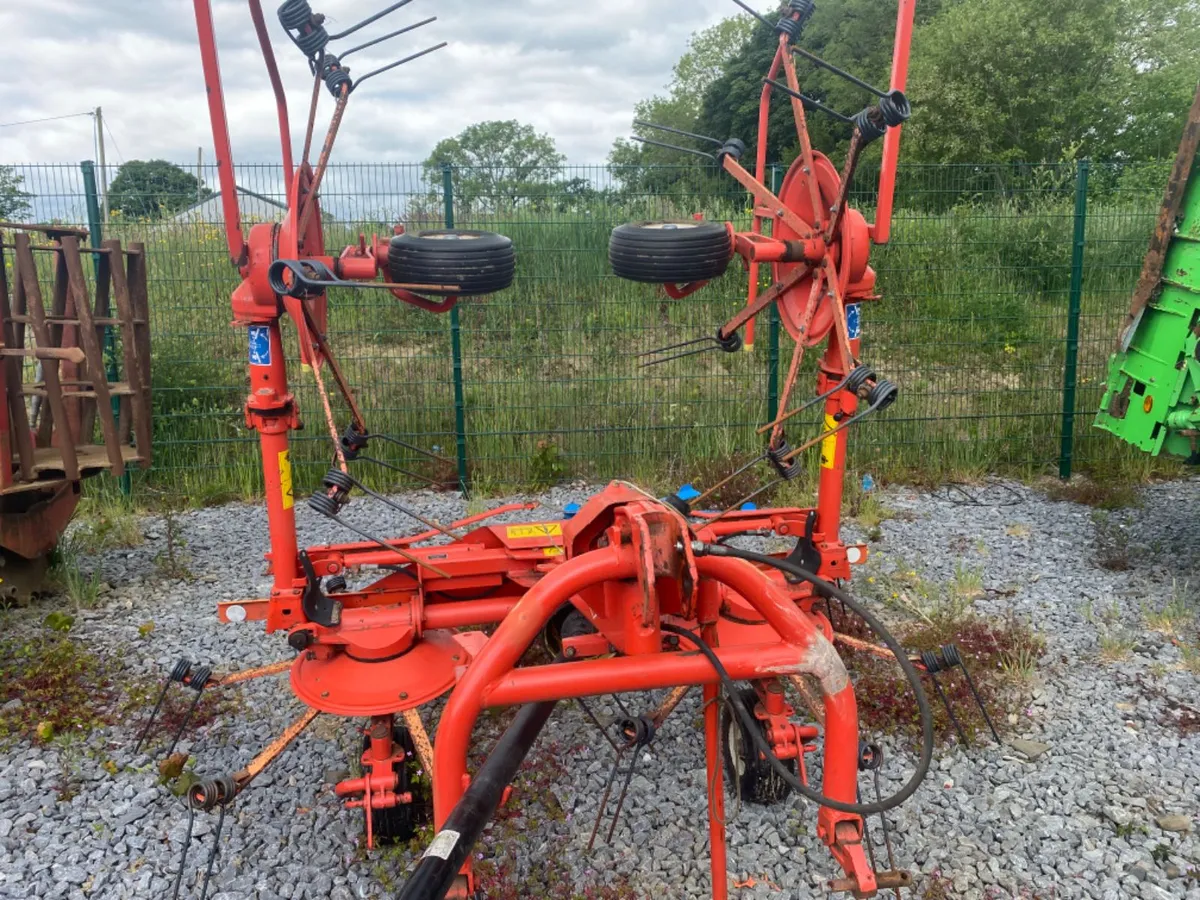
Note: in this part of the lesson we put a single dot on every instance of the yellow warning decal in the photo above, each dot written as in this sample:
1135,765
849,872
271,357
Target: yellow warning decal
285,479
829,445
541,530
553,551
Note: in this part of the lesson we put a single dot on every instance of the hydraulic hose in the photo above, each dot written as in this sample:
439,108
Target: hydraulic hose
437,869
828,590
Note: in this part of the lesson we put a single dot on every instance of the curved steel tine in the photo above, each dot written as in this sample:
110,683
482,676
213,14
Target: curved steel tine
674,147
681,344
756,15
806,100
367,21
400,62
388,37
667,359
667,128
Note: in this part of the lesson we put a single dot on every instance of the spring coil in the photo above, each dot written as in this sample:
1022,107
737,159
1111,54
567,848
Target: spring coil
199,677
870,756
324,505
733,147
895,108
777,457
932,662
334,74
951,655
731,344
883,395
180,671
295,13
336,478
859,377
793,28
214,792
353,442
869,123
297,16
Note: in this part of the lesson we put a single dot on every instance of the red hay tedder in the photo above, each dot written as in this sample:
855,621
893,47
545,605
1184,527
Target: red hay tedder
643,593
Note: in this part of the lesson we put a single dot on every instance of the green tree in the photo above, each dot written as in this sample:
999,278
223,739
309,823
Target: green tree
499,165
855,35
1031,81
14,202
1157,65
150,190
709,53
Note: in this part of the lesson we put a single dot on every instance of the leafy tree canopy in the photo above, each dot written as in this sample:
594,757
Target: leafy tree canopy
155,188
498,163
14,201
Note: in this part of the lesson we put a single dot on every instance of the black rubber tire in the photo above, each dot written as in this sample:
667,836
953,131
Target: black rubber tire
399,824
477,262
670,252
752,779
566,622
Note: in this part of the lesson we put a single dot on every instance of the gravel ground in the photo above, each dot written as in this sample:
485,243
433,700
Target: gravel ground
1108,810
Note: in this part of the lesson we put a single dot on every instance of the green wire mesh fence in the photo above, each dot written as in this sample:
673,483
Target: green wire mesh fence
988,267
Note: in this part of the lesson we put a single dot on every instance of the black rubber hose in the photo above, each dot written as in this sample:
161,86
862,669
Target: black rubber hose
434,875
825,589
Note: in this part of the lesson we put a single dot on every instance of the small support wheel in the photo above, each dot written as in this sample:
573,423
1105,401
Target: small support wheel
670,252
473,262
750,776
400,823
567,622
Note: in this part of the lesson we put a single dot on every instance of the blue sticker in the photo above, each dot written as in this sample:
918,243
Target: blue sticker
260,345
853,322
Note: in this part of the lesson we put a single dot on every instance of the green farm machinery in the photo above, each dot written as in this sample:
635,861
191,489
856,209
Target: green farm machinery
1152,399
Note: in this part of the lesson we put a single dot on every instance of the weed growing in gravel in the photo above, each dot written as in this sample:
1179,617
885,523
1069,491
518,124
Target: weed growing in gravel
67,575
1107,494
968,583
936,886
1190,659
1178,613
111,526
54,681
172,562
1116,646
905,590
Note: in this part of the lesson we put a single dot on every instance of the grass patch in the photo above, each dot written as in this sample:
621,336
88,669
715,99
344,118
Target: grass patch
1116,646
69,575
109,525
1103,494
1177,615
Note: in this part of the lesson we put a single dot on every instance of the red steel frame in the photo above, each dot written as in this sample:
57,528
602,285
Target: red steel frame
623,561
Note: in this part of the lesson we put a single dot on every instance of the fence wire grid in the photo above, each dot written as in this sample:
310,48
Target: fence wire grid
996,277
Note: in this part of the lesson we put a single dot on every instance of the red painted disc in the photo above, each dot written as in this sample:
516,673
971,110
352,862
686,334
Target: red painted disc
344,686
853,234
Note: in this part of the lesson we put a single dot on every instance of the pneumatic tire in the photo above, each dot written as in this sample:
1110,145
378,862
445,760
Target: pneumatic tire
670,252
475,262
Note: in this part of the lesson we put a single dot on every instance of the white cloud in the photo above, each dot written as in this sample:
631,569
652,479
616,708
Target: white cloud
572,69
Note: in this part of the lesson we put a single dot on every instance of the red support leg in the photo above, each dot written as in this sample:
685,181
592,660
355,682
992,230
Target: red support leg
716,792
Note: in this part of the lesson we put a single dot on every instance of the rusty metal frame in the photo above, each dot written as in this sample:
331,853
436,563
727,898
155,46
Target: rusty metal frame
57,447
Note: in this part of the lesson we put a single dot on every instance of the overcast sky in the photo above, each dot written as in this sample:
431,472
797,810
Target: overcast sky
573,69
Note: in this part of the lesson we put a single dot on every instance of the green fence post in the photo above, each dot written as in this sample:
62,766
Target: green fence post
773,336
96,235
1070,373
460,403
